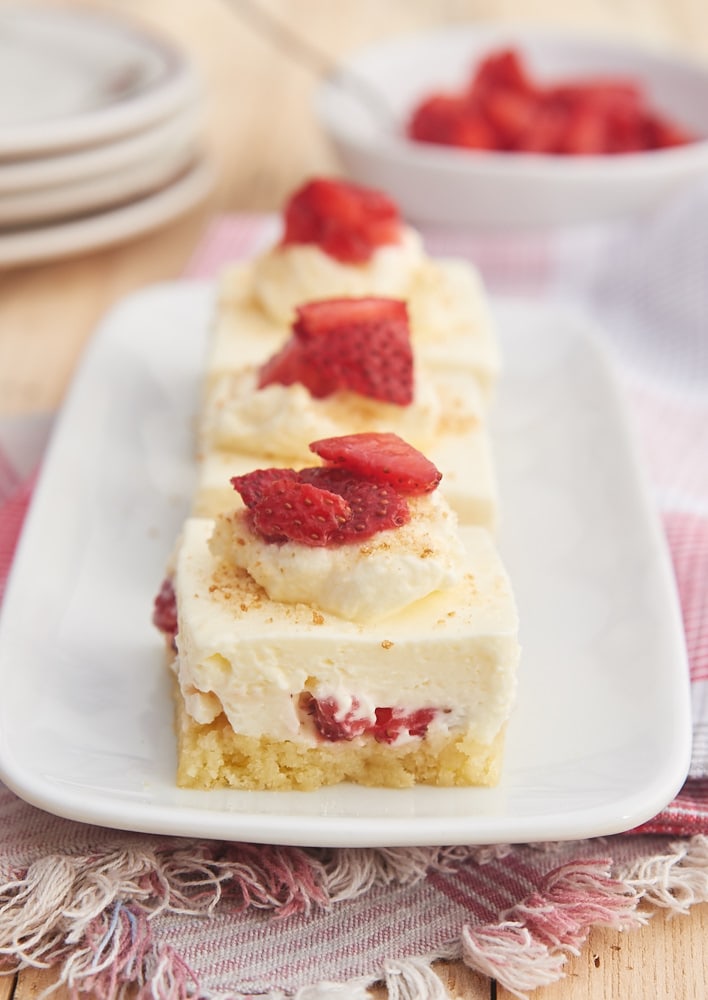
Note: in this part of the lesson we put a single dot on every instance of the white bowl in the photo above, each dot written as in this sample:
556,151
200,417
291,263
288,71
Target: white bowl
439,184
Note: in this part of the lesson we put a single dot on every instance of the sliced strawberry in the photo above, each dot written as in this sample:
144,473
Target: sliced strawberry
289,510
355,345
382,458
345,220
292,364
253,486
374,506
314,319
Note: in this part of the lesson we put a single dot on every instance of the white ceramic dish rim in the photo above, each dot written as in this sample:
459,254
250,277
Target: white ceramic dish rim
104,228
50,172
94,194
176,85
608,168
172,315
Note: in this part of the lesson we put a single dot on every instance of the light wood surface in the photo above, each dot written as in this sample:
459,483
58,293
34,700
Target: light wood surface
262,135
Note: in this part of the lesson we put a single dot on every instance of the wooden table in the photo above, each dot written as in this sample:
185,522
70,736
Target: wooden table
262,135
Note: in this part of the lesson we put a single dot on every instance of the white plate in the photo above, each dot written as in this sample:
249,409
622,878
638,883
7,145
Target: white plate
600,739
506,190
92,232
20,177
70,78
107,191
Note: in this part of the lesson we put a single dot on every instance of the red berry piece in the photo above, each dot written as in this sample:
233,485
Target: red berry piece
356,345
373,507
345,220
393,722
253,486
289,510
331,723
382,458
503,69
164,614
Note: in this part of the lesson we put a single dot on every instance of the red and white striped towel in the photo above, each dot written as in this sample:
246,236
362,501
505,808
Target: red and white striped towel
184,918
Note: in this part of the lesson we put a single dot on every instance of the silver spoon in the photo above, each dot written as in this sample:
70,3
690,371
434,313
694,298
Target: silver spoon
305,54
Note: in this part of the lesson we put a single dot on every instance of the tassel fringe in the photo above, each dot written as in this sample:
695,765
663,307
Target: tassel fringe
92,916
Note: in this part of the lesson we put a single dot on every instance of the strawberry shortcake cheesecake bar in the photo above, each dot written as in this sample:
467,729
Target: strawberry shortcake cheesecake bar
338,625
340,239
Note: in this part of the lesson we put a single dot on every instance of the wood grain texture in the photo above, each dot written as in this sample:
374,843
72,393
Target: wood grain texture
667,958
262,135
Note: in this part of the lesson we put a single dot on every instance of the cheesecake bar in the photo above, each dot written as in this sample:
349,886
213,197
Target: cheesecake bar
451,325
387,661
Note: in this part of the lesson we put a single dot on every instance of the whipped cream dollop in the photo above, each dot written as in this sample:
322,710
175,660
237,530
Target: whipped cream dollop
283,420
286,276
362,582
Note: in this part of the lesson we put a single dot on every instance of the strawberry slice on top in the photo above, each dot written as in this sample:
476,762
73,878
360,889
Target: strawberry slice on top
361,492
347,221
357,345
381,457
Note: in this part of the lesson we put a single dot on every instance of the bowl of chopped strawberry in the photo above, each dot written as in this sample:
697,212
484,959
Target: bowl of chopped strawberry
500,127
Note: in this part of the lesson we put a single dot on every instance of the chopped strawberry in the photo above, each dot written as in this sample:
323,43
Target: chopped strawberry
253,486
345,220
393,722
503,108
164,615
661,134
544,132
585,133
289,510
383,458
501,69
374,506
356,345
333,724
508,113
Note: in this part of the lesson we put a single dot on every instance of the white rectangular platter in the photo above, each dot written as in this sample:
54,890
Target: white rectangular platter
600,738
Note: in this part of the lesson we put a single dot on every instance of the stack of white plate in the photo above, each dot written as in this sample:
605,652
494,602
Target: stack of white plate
99,133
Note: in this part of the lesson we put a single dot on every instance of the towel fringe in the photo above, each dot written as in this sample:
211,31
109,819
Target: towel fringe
413,979
528,948
676,880
93,915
